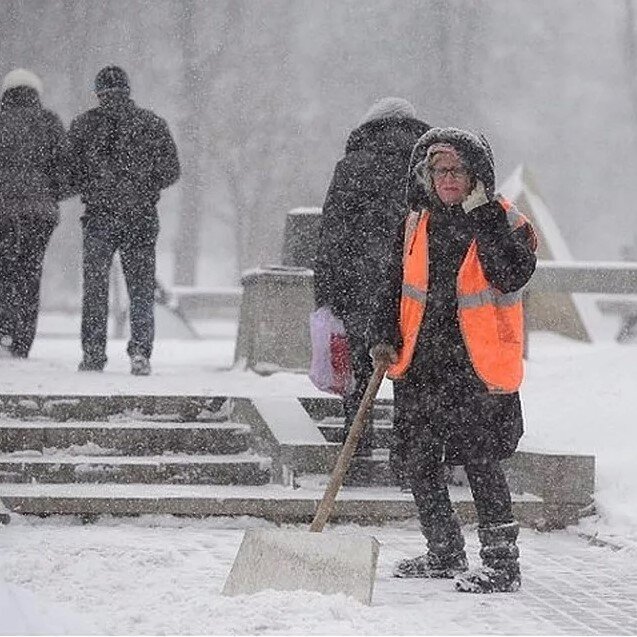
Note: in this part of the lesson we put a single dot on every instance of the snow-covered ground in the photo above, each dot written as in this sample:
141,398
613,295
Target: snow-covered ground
158,575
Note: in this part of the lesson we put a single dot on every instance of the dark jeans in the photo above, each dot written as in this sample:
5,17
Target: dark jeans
135,243
362,367
22,248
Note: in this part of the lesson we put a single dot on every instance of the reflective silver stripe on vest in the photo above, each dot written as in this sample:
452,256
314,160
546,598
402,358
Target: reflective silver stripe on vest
414,293
489,297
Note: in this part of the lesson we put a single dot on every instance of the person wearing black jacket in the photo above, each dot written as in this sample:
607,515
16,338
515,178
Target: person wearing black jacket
452,415
364,208
121,156
32,183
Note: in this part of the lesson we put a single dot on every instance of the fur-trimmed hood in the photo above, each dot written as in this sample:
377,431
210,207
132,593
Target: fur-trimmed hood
474,149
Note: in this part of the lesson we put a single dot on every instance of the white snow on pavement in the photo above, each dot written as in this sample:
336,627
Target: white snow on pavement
161,575
164,575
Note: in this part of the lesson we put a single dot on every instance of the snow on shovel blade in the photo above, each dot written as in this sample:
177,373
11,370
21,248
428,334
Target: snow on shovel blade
301,560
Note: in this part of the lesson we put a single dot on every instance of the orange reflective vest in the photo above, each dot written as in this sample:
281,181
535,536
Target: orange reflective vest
491,322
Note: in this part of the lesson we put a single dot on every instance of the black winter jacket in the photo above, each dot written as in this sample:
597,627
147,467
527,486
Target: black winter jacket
363,211
120,157
440,389
31,151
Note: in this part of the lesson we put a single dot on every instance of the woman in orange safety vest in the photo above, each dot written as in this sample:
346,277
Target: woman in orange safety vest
449,324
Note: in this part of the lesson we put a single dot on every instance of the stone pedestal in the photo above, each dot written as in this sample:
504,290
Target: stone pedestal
302,227
274,320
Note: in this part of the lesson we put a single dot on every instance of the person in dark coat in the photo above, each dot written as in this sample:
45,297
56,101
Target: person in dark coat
121,157
452,416
31,185
364,208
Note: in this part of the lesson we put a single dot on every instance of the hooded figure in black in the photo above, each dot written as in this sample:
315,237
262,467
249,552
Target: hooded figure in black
121,157
450,415
31,184
363,211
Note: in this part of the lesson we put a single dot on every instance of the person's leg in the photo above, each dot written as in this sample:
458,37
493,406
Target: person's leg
398,450
137,253
35,241
98,249
9,253
497,531
445,555
362,368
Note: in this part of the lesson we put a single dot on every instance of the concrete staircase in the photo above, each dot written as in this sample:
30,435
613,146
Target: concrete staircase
54,460
226,456
373,471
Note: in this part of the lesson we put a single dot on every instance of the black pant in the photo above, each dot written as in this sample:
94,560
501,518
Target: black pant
426,467
489,488
362,367
23,244
136,245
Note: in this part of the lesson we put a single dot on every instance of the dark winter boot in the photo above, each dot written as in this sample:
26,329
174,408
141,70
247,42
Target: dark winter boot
500,572
88,364
445,557
139,365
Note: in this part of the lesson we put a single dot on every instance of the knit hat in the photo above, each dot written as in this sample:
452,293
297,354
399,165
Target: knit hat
437,151
21,77
389,108
112,78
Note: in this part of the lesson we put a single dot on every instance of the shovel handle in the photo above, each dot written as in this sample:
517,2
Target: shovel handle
349,447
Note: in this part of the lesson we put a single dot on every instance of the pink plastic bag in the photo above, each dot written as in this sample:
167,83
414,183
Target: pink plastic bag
331,368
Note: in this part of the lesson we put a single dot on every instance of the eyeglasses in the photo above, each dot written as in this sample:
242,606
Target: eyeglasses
456,173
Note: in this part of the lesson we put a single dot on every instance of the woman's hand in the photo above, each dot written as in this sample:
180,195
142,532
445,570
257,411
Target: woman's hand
383,354
476,198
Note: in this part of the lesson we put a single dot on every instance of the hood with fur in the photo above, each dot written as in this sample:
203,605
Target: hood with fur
474,150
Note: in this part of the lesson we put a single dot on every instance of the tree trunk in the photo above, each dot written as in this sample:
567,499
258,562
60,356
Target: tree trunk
187,242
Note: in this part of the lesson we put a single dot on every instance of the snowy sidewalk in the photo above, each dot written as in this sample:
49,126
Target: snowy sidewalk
164,575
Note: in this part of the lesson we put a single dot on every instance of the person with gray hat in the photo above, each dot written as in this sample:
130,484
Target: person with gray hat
121,157
364,208
32,182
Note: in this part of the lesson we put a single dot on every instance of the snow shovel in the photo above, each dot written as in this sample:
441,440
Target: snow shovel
311,561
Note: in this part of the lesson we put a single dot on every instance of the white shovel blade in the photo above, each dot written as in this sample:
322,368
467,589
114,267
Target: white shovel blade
300,560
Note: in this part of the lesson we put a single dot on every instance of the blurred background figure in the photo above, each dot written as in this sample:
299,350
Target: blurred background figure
31,185
363,211
121,156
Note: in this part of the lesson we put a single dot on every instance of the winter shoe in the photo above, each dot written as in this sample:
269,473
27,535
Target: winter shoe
432,566
488,580
139,365
90,365
500,572
445,557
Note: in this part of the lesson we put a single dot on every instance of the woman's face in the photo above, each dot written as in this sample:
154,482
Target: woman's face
451,179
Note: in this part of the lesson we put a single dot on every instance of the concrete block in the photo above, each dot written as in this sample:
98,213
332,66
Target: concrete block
564,482
274,331
284,431
301,235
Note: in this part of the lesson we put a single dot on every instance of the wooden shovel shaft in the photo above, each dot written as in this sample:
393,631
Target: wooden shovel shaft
342,464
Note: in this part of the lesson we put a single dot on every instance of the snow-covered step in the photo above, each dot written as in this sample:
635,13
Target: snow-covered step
89,407
333,432
272,502
125,437
58,468
326,409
